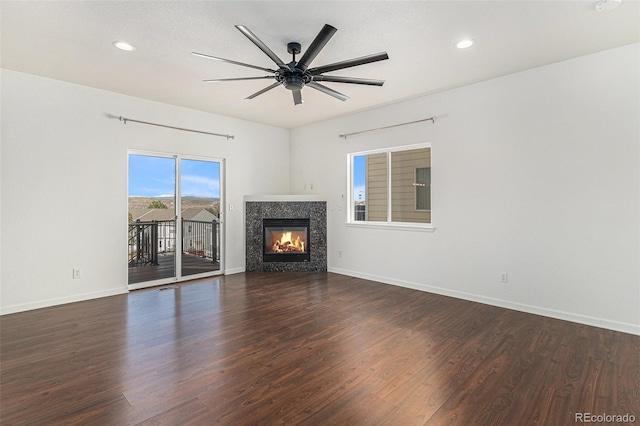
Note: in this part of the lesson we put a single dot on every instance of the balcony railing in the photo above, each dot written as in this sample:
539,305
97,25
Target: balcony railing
148,240
201,239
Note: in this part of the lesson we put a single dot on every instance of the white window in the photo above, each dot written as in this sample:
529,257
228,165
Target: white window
391,186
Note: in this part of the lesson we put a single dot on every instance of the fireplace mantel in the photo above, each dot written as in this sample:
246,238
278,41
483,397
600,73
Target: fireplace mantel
260,207
284,198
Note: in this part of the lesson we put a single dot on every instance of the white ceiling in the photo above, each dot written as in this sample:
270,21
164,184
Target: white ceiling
72,41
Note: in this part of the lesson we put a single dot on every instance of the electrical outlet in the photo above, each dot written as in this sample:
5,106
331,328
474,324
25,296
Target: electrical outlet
504,278
77,273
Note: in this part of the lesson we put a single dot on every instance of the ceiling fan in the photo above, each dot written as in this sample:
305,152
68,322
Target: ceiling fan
296,74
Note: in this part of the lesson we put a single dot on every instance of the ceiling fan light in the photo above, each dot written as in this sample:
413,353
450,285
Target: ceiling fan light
123,45
463,44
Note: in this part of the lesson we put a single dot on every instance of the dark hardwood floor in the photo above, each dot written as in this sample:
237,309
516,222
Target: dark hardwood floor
307,348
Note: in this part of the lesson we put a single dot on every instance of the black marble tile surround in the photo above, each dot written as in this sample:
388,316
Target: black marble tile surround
315,211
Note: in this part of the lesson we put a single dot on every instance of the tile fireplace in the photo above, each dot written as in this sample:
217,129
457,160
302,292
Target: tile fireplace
285,233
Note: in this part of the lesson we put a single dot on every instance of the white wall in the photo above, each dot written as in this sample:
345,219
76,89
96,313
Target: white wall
535,174
64,183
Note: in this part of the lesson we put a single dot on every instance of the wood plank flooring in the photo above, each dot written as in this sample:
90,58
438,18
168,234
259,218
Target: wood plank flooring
307,348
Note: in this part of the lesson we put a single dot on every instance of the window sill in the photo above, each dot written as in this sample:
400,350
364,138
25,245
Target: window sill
427,227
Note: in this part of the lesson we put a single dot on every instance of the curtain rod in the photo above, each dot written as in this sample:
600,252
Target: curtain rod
432,119
124,120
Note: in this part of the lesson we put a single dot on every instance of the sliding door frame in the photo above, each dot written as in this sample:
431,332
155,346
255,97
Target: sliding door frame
178,277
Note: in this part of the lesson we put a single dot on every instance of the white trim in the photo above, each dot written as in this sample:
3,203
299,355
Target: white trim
150,154
403,226
174,157
208,274
154,283
12,309
536,310
350,209
222,182
389,188
389,224
174,280
393,149
293,198
178,158
178,249
222,217
235,271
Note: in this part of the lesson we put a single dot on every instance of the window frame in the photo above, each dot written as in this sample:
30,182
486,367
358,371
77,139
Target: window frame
388,224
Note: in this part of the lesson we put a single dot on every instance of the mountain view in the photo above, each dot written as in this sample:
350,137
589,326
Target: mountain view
187,202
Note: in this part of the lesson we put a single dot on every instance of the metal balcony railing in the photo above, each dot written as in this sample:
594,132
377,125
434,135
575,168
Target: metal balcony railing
201,239
149,239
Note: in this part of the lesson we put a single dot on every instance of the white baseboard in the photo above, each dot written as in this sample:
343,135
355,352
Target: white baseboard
566,316
12,309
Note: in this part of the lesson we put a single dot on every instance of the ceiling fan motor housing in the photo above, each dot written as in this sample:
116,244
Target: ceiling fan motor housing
293,78
293,82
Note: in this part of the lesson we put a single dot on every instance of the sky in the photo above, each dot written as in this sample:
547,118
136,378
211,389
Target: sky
358,178
155,177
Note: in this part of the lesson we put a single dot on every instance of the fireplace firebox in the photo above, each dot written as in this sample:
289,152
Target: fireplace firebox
285,240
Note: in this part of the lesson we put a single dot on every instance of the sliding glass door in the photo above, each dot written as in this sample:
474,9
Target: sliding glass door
200,216
174,229
152,214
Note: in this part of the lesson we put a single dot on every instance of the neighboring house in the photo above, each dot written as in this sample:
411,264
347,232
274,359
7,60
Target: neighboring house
166,225
410,186
198,214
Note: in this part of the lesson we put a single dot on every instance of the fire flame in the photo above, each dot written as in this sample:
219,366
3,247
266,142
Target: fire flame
284,244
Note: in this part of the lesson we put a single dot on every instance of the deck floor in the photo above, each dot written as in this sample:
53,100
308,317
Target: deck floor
191,265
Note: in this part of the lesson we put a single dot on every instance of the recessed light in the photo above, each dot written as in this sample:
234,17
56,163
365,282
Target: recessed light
123,45
607,5
463,44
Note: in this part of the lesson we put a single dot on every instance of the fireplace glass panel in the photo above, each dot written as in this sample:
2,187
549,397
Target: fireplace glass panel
286,240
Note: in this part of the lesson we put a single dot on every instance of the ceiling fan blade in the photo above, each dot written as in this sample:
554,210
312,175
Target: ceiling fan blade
316,46
251,36
349,63
325,89
217,80
297,97
266,89
215,58
353,80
